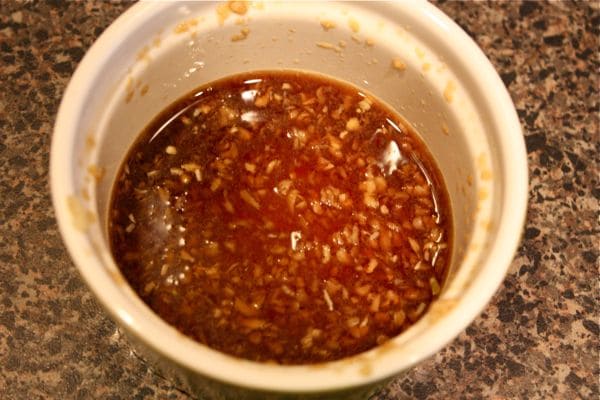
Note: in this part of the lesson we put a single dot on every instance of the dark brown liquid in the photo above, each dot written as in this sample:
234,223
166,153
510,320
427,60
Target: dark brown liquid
282,217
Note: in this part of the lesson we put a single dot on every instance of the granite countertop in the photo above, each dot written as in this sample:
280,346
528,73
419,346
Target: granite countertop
539,337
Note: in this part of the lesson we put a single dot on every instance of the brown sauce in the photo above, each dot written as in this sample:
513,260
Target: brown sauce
282,216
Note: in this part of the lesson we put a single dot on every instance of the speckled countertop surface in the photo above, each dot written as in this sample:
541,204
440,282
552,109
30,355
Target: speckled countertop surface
539,337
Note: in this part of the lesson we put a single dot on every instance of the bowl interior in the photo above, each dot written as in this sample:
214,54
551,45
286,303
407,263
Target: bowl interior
158,52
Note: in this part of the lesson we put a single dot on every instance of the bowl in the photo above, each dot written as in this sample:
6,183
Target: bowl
408,54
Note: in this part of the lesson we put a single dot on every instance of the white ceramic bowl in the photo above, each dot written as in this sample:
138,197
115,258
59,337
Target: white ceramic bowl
157,52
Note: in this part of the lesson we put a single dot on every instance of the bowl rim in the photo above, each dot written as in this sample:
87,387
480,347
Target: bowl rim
327,376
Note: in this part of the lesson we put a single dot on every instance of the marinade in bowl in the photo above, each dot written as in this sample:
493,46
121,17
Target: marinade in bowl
282,217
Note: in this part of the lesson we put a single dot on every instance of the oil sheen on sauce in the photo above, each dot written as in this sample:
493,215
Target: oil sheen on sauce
282,217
